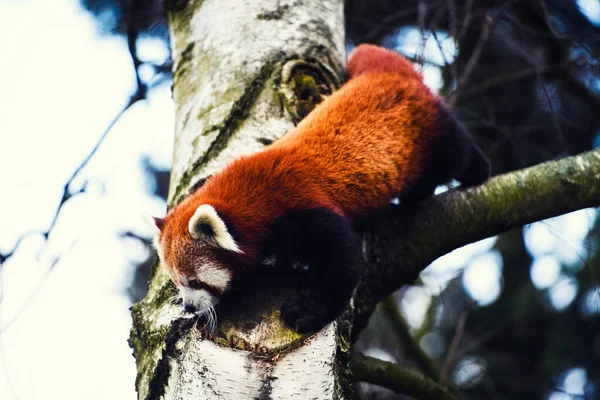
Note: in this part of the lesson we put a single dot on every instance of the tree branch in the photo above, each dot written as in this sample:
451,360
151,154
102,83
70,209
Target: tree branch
412,347
402,241
399,379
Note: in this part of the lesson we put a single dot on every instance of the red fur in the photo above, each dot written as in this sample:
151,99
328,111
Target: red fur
373,59
354,153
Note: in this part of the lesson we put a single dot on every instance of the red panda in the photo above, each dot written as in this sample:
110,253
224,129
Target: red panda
381,136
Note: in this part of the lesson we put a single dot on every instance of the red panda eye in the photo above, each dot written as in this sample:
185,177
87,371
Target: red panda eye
194,284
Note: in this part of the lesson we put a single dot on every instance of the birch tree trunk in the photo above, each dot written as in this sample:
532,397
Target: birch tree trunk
238,68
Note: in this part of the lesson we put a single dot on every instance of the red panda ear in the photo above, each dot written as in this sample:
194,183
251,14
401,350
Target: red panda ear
159,222
155,223
206,225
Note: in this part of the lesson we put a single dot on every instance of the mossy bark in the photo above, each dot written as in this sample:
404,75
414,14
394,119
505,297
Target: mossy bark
402,241
244,73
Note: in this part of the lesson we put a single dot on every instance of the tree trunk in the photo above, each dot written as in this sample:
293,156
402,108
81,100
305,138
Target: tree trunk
241,73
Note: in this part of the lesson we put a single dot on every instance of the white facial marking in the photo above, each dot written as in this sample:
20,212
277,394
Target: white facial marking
200,299
204,304
214,276
205,213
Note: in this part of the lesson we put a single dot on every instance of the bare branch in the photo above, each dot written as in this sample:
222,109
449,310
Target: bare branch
31,296
506,78
139,94
397,378
562,46
555,116
144,240
412,348
487,28
466,24
385,24
453,18
458,334
67,194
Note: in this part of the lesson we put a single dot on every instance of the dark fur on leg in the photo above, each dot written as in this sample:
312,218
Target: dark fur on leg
478,168
324,244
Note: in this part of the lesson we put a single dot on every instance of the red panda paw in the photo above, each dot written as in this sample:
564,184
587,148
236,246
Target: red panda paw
305,314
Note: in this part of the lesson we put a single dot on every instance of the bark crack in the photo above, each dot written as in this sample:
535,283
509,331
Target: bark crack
162,371
266,388
227,129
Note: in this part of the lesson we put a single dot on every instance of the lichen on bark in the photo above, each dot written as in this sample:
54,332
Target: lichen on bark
401,241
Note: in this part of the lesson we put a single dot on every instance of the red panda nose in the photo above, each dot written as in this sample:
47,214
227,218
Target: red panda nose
189,308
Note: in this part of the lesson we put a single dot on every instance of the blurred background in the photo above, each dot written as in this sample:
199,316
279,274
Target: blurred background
86,131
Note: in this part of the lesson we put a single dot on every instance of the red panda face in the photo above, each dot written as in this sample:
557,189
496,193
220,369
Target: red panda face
190,247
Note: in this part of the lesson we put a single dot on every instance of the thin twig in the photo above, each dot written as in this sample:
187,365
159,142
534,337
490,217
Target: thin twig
67,194
507,78
487,27
453,19
428,321
422,13
569,75
139,94
382,26
447,64
3,361
144,240
32,295
5,371
466,22
450,358
555,117
412,348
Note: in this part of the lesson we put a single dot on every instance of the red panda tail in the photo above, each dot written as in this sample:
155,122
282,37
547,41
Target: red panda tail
370,58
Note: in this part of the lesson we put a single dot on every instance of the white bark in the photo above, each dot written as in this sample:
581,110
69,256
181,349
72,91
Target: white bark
228,56
208,371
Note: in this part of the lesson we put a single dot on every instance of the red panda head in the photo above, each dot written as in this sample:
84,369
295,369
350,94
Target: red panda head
197,248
